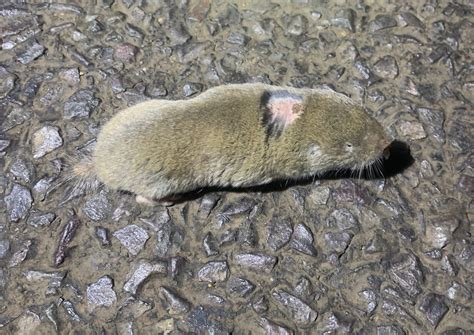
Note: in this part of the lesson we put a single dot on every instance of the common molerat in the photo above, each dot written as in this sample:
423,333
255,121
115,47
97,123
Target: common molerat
239,135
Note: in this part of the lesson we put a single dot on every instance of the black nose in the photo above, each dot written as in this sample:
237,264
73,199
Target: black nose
386,153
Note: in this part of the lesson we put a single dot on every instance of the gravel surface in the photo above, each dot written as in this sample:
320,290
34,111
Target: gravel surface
335,256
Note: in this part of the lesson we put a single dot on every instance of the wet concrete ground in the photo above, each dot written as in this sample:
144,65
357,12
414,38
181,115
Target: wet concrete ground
341,256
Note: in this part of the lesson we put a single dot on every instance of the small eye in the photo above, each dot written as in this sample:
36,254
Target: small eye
348,145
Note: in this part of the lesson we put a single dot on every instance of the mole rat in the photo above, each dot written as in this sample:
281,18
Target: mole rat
237,135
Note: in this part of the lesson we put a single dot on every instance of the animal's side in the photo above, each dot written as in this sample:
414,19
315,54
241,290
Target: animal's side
232,135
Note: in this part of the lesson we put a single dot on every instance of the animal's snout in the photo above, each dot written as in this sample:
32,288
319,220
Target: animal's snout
384,146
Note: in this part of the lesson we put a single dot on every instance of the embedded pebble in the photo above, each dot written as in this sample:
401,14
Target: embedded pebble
412,130
342,219
46,140
405,271
103,235
216,271
390,330
344,18
279,232
256,261
101,293
459,293
40,219
271,328
22,169
141,271
302,314
382,21
302,240
98,207
334,323
4,247
18,202
319,195
174,304
239,287
440,232
433,121
80,104
7,82
29,51
386,67
337,242
132,237
297,25
16,117
125,52
210,245
434,307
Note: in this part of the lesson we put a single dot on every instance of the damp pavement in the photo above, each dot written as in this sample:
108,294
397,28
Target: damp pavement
338,255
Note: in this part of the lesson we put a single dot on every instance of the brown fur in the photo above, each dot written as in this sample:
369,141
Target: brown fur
160,148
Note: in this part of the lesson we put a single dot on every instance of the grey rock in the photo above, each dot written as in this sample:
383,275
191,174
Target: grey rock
371,298
215,271
103,235
163,240
80,104
46,140
191,89
433,121
208,319
386,67
29,51
390,330
239,287
410,19
177,35
337,242
141,272
242,205
40,219
4,247
42,188
210,245
71,311
247,234
98,207
20,255
237,38
342,219
405,271
260,304
345,18
279,232
174,304
16,117
54,280
256,261
302,240
332,323
302,314
22,169
382,21
459,293
273,328
18,202
434,307
133,308
132,237
297,25
304,289
7,82
439,232
4,144
412,130
125,52
101,293
319,195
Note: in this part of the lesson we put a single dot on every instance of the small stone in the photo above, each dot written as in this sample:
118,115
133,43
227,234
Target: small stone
297,25
260,304
389,330
71,311
46,140
29,51
198,9
433,121
239,287
191,89
125,52
103,235
4,144
132,237
371,298
434,307
302,314
80,104
101,293
332,323
302,240
210,245
412,130
440,232
177,35
319,195
344,18
16,117
20,255
141,271
174,304
337,242
405,271
133,308
382,21
4,247
237,38
40,219
22,169
71,76
18,202
386,67
342,219
256,261
459,293
98,207
7,82
208,203
216,271
273,328
279,233
410,19
242,205
54,280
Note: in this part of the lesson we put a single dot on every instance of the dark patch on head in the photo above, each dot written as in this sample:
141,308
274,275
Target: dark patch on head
273,126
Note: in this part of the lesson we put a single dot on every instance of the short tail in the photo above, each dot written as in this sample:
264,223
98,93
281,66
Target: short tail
80,177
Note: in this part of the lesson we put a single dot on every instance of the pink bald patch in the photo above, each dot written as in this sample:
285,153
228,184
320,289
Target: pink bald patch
285,110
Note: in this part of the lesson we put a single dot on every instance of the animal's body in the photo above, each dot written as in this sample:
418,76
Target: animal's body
233,135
